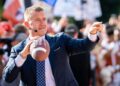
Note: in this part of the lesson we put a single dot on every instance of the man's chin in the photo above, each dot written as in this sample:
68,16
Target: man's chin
42,33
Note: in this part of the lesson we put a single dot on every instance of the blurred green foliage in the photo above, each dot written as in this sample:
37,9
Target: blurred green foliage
109,7
1,7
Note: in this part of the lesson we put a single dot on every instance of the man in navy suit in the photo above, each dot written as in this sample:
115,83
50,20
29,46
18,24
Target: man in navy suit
57,68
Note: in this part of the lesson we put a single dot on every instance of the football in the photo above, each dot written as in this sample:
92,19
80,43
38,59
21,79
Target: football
40,49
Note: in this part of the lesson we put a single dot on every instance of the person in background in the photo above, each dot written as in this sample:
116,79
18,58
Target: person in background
3,61
20,28
20,34
80,63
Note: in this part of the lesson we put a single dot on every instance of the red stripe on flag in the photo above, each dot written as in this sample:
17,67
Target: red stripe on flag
11,10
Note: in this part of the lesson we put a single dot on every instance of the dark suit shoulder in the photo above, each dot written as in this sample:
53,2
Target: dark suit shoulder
62,34
61,37
59,34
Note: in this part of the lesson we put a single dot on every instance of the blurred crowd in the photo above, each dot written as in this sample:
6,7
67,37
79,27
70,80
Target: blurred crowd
100,67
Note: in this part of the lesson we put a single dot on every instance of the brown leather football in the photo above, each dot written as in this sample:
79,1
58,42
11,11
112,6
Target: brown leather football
40,49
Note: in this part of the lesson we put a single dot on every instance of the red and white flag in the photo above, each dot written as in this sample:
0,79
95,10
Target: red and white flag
11,10
14,9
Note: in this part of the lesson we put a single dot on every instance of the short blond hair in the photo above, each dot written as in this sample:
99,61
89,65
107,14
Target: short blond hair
30,9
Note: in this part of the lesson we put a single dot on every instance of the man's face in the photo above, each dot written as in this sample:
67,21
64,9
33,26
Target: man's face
37,22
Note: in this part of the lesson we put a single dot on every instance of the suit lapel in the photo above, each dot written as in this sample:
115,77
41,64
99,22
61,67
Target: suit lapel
51,55
25,42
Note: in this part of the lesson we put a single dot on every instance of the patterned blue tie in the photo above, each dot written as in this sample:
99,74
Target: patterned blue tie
41,73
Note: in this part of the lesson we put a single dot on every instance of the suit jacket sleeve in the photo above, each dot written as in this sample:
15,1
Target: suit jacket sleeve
76,46
11,71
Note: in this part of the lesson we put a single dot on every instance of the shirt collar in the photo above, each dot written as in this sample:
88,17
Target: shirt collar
38,37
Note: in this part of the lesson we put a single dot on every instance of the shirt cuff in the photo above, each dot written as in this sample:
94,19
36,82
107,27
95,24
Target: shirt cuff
93,38
19,60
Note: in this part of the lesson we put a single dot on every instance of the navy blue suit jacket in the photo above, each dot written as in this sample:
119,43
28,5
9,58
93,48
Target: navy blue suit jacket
61,46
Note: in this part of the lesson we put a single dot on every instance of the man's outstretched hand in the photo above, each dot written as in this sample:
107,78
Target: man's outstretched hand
96,27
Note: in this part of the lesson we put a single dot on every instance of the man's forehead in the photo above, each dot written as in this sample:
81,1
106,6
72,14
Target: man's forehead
37,14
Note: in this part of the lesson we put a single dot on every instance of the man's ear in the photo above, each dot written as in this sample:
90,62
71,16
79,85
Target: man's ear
26,24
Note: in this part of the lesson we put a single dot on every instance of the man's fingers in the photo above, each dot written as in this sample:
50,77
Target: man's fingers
96,27
97,24
100,29
27,47
32,40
